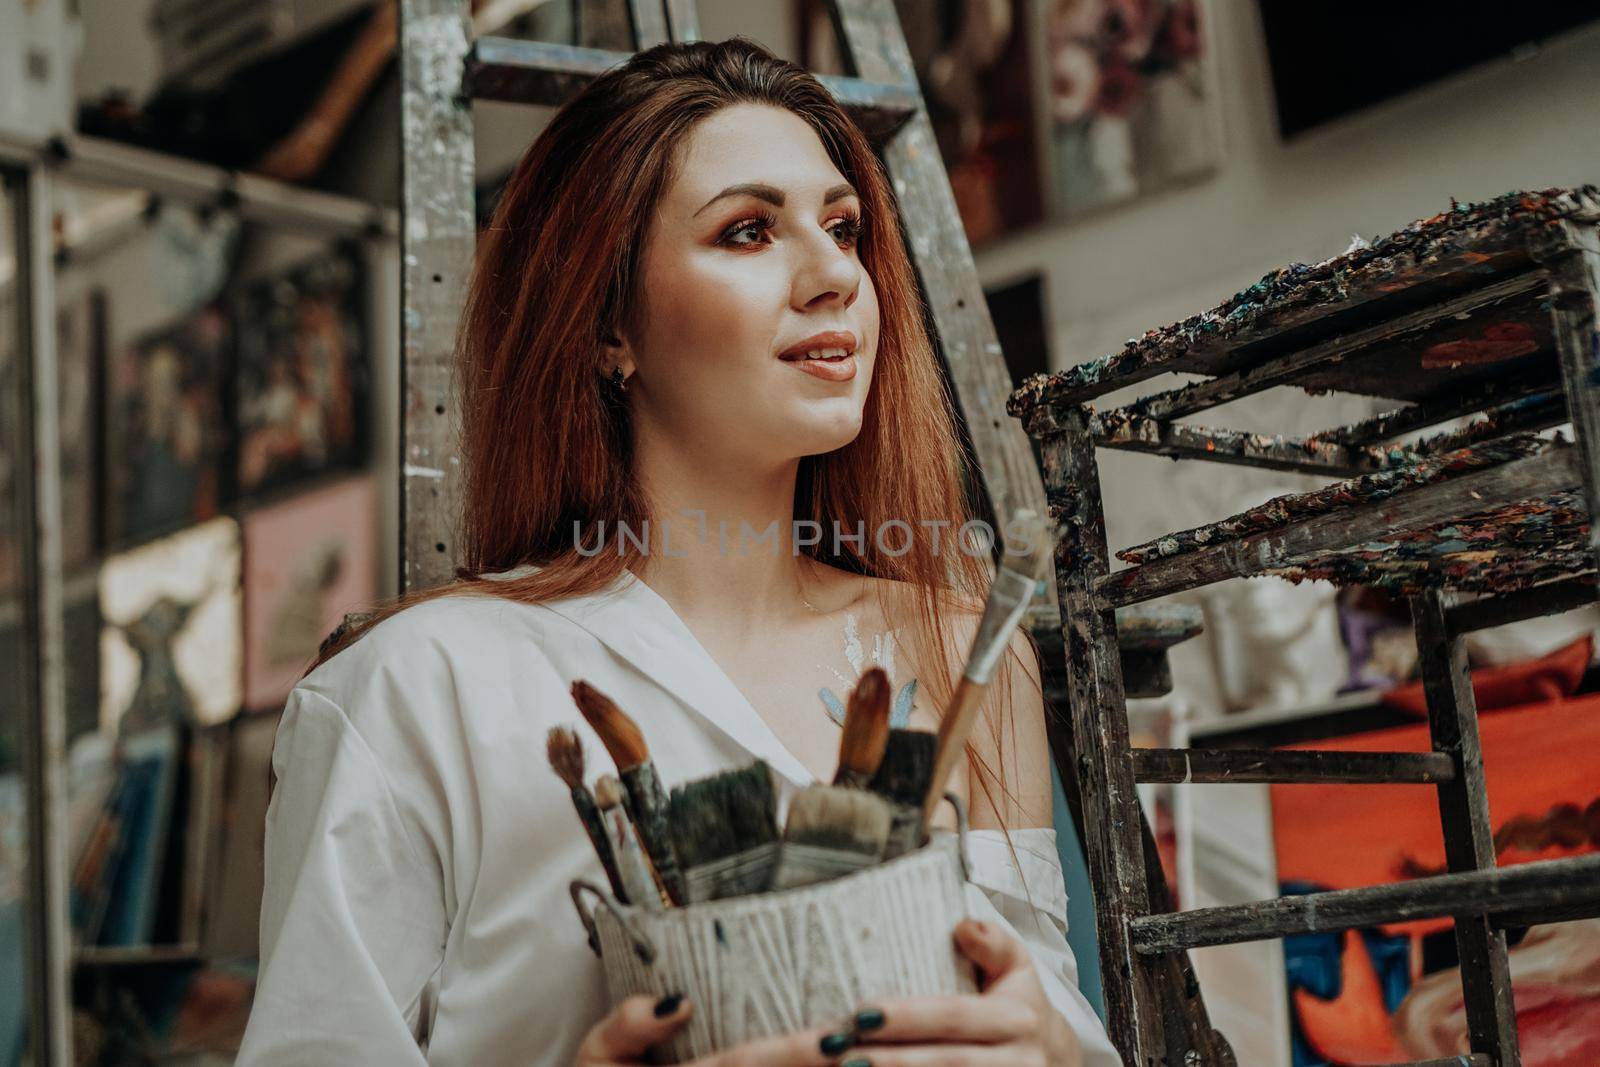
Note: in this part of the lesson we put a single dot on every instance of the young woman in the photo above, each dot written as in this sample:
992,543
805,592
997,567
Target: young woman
692,343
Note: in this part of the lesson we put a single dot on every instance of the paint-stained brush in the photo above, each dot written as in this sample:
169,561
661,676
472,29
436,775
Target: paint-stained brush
624,740
638,879
565,749
831,830
725,833
902,779
866,730
1029,540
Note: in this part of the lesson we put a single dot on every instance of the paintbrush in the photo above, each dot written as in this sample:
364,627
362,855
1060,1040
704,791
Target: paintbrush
831,830
633,866
725,833
1026,557
866,730
624,740
902,780
565,750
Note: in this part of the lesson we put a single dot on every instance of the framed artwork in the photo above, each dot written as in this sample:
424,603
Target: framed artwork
1132,103
975,68
307,561
170,646
1392,993
302,372
167,434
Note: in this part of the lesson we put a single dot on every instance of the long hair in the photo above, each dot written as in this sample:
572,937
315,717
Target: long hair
547,448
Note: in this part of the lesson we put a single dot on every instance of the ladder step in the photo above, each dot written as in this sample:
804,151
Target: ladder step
543,72
1283,765
1543,884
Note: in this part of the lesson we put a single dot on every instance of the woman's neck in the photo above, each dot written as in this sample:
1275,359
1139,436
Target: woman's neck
723,548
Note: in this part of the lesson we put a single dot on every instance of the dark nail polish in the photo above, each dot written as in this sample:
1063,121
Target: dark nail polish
667,1005
869,1019
834,1044
856,1062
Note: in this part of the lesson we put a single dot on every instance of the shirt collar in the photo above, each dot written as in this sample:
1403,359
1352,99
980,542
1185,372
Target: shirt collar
636,623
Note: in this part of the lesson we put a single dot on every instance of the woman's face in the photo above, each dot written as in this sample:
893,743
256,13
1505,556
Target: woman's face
752,251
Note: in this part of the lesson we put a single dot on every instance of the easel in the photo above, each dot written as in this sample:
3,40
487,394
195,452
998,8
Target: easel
1409,319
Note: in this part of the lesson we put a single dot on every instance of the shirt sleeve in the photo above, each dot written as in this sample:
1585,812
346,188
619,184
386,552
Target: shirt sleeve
1031,901
353,919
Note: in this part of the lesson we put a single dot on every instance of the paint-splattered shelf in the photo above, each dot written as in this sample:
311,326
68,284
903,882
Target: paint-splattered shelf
1446,303
1518,542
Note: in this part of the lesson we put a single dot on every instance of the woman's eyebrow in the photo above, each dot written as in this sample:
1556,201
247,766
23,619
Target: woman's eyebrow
773,195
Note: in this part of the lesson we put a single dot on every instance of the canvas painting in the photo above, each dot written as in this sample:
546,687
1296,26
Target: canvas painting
1131,102
307,561
171,644
1392,993
302,372
167,436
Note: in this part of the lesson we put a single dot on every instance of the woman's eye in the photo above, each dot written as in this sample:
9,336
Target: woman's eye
846,230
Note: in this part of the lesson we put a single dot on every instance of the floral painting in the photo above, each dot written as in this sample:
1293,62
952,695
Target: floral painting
1131,107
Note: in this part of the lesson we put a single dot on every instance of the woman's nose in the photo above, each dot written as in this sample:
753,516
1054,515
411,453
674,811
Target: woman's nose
826,273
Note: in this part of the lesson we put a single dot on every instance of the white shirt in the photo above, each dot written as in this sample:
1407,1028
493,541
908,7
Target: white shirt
419,848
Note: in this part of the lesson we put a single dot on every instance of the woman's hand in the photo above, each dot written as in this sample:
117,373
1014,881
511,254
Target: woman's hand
626,1034
1010,1024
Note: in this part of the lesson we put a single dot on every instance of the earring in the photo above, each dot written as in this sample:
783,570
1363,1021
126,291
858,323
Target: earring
619,381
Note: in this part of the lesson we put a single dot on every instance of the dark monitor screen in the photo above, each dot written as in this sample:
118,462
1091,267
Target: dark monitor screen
1332,57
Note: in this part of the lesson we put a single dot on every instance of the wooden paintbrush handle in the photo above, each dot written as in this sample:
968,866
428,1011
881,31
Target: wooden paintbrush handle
953,733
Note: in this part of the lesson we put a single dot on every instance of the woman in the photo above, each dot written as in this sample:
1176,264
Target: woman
640,433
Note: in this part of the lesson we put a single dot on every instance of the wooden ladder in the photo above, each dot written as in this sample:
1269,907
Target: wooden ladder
444,70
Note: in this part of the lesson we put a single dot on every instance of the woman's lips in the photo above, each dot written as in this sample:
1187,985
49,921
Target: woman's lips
832,370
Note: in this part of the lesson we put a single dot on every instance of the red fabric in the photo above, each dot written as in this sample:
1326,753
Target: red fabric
1550,677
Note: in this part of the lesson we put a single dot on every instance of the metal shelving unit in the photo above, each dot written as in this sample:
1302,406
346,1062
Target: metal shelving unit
31,167
1486,309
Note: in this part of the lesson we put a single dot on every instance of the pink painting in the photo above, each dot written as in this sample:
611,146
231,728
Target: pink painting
308,561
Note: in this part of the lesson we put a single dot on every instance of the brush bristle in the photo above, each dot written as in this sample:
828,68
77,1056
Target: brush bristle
907,765
723,814
565,749
608,792
834,817
1029,541
617,731
866,726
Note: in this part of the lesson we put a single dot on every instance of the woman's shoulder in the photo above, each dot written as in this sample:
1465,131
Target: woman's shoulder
433,648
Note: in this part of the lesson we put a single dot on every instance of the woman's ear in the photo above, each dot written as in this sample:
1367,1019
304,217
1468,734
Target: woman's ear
618,356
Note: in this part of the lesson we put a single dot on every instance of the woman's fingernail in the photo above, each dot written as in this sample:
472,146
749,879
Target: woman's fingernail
667,1005
979,928
869,1019
856,1062
834,1044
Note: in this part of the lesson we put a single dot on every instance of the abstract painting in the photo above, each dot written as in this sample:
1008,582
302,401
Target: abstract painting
1131,103
307,561
301,372
167,436
170,648
1392,993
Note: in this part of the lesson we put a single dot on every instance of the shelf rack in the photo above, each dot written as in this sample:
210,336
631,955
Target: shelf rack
1487,310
